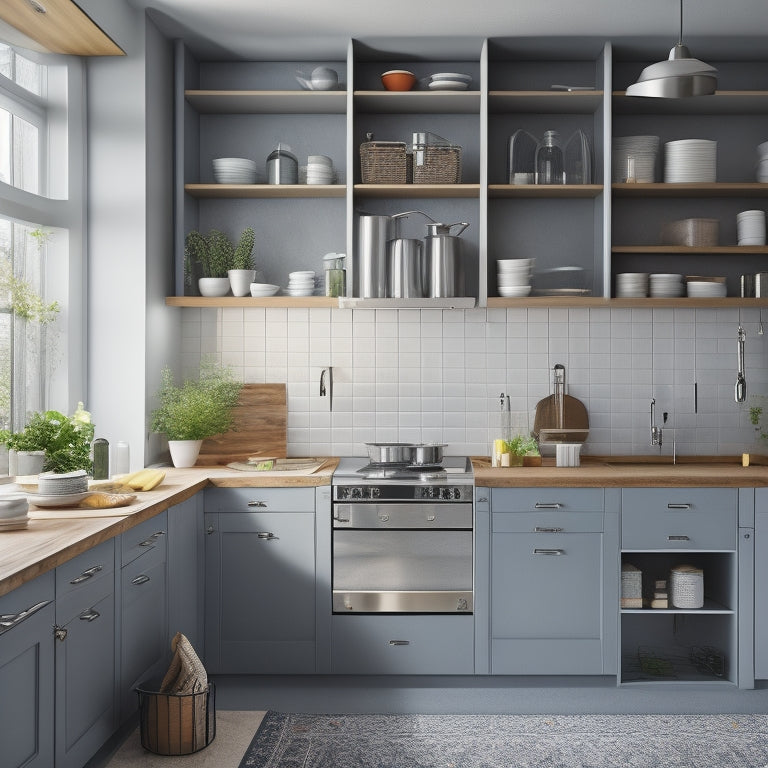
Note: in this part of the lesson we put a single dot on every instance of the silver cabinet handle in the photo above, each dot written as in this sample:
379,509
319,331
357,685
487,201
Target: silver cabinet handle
678,538
150,542
539,529
9,620
267,535
542,505
399,642
482,498
89,573
679,506
257,503
89,615
140,579
548,551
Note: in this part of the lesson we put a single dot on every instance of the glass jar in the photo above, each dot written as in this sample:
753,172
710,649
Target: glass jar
549,160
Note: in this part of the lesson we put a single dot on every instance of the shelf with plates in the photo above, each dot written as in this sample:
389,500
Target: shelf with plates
296,302
700,189
272,191
545,102
418,102
502,191
757,250
720,103
266,102
575,302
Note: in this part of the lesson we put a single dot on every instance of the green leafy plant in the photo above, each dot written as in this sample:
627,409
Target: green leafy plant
242,258
22,299
198,408
213,255
522,445
66,440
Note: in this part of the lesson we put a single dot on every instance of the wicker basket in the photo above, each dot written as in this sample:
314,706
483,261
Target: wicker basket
436,164
702,233
384,162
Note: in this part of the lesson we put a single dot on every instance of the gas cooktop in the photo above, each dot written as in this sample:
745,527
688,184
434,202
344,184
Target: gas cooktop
358,469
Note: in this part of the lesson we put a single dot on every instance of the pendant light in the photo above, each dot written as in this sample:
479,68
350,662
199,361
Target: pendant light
678,77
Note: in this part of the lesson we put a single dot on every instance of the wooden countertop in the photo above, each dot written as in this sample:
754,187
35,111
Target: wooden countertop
47,543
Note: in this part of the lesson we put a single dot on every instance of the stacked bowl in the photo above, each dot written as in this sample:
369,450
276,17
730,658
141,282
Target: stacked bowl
514,277
762,162
320,170
706,287
690,161
666,286
643,150
632,285
262,290
750,227
14,512
301,283
234,170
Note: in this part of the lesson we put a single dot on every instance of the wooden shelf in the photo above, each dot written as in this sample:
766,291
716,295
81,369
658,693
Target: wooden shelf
720,103
250,301
758,250
545,190
418,102
412,191
268,102
224,191
545,102
704,189
598,301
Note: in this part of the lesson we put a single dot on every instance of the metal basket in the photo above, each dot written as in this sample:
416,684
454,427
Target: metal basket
691,232
384,162
436,163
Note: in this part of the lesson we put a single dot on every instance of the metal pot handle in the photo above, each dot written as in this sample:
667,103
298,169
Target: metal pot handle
408,213
462,224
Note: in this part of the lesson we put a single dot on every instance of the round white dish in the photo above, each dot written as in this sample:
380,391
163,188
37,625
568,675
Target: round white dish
59,500
448,85
260,290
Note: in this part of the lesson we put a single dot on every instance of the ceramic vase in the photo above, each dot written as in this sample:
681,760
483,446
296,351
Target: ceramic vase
213,286
184,452
240,280
28,462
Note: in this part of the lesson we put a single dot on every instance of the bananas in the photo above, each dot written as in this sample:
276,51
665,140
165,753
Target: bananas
143,480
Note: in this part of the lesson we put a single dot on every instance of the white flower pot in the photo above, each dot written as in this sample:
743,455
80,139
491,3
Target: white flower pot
184,452
29,462
240,280
213,286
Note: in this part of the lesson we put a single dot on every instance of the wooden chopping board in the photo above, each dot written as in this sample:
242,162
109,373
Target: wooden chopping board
261,427
547,415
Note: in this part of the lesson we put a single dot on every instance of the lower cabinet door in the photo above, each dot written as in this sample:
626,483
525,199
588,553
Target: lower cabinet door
27,676
402,645
546,604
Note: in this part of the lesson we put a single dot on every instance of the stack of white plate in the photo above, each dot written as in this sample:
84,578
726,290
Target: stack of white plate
706,289
632,285
14,512
234,170
260,290
762,162
644,150
514,277
320,170
666,286
301,283
52,484
690,161
449,81
750,227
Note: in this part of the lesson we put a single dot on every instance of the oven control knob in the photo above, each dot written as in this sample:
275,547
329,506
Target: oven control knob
429,492
445,493
375,493
357,493
457,493
342,493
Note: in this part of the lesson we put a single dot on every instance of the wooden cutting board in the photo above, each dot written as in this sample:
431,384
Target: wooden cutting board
261,426
547,416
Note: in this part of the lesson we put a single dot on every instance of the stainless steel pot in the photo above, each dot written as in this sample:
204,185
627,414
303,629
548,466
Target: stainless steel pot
428,454
405,268
390,453
444,259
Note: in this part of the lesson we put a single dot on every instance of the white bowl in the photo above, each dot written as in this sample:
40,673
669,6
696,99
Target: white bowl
514,291
13,505
264,289
513,278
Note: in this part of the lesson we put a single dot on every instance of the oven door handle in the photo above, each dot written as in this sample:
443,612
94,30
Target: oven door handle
399,642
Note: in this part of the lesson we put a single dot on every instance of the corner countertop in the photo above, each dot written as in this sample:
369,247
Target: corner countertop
50,541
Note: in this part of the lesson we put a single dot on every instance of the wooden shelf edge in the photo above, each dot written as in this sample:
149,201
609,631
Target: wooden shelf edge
500,191
417,190
703,189
250,301
575,302
266,191
682,249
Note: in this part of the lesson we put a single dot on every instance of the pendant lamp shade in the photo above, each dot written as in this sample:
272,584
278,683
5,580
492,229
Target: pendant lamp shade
678,77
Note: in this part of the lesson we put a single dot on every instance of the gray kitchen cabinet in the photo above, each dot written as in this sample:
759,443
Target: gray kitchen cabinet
27,616
260,607
143,639
761,584
667,527
85,655
552,553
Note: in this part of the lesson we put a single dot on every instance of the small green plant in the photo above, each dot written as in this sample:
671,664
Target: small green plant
243,255
198,408
522,445
66,440
22,299
213,255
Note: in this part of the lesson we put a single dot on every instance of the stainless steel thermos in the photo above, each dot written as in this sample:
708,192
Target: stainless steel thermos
373,236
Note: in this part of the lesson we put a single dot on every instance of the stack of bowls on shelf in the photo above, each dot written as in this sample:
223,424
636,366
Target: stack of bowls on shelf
706,287
750,227
514,277
320,170
262,290
762,162
14,512
632,285
690,161
449,81
666,286
301,283
643,150
234,170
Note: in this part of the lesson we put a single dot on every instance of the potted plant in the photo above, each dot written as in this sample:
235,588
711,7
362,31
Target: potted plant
197,409
212,256
242,272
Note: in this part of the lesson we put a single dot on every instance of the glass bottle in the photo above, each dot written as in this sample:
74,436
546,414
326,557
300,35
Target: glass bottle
100,459
549,160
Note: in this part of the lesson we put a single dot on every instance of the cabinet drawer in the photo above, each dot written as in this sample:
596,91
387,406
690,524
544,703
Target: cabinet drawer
94,567
151,534
403,645
256,499
544,499
16,604
679,518
548,522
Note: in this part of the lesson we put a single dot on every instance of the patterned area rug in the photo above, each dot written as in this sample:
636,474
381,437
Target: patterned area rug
509,741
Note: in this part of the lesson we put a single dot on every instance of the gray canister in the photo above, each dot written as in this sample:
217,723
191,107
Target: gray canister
282,166
405,268
373,234
761,285
444,262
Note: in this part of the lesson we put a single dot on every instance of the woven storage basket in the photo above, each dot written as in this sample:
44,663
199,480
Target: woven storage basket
384,162
436,164
692,232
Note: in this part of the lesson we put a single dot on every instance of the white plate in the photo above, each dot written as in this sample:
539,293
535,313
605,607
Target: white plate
514,291
448,85
452,76
59,500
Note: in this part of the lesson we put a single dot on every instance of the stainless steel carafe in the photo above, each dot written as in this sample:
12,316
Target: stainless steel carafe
405,268
374,232
444,260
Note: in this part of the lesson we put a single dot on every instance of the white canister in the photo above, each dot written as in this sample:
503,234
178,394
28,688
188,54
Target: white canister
687,586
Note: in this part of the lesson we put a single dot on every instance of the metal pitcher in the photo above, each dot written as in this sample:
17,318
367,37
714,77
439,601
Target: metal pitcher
443,257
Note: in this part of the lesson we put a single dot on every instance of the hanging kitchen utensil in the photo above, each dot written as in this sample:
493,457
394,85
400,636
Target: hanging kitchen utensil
740,391
560,418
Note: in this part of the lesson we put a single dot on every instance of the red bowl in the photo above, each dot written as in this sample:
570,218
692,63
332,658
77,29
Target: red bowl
398,80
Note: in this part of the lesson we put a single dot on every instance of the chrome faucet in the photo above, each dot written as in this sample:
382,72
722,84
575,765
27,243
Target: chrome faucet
655,431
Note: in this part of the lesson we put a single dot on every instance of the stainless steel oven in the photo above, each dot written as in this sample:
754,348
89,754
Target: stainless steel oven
403,538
